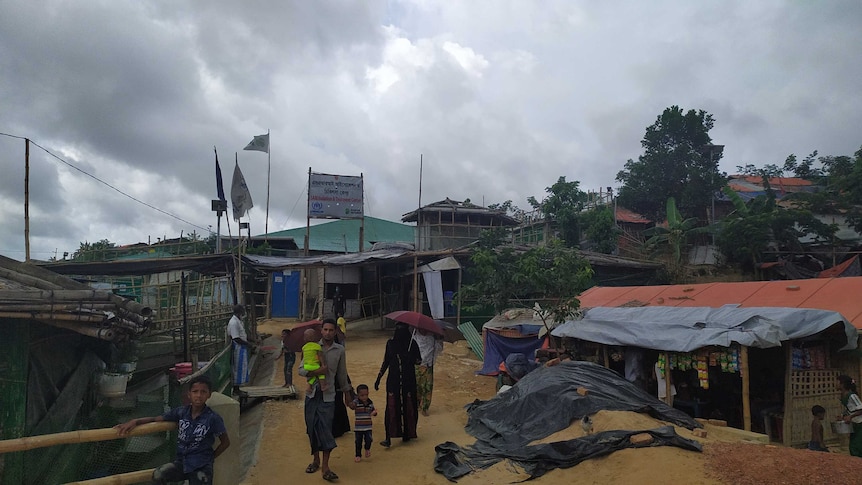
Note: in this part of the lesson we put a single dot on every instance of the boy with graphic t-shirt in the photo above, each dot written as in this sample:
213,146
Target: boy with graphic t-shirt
197,428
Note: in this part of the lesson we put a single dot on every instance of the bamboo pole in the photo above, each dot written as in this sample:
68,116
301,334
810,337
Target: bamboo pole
80,436
53,316
107,334
76,295
30,307
140,476
27,200
416,307
746,381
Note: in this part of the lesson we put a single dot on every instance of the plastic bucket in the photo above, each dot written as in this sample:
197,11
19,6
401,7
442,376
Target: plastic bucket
182,369
113,384
840,427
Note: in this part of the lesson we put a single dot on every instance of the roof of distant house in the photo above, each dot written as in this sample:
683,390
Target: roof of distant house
749,186
460,209
625,215
342,235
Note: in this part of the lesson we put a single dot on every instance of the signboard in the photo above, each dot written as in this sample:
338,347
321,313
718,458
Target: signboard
334,196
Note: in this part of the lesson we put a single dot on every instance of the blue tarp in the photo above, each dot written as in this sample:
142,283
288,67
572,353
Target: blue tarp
498,347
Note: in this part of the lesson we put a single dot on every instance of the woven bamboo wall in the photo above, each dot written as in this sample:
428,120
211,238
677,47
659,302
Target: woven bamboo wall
808,388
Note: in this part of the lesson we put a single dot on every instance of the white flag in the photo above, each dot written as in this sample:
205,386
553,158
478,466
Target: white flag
259,143
240,197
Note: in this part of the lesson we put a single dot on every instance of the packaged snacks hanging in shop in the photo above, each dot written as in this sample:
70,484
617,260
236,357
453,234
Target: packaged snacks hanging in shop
703,370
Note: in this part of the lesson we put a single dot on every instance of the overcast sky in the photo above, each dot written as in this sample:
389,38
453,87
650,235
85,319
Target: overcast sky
500,97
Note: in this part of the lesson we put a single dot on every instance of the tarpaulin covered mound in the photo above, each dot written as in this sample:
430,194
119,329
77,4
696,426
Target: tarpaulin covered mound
547,401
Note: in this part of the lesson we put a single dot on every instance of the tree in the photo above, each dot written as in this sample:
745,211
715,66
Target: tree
563,205
502,277
96,251
601,229
678,161
751,228
840,181
508,208
673,238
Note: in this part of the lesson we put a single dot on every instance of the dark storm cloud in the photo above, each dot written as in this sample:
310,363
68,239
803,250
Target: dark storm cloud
501,99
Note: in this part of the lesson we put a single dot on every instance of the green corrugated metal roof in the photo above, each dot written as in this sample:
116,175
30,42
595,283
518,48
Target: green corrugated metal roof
334,236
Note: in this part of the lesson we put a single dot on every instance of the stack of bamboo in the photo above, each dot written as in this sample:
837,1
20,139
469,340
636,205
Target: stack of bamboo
34,293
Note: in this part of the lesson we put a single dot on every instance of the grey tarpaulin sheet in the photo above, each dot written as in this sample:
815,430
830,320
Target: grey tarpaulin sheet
685,329
546,401
278,263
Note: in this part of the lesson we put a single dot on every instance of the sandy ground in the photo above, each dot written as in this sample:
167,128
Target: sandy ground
284,452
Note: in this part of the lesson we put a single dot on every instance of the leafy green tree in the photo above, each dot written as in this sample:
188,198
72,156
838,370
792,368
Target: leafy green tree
601,229
751,228
672,240
96,251
840,182
678,161
509,209
503,277
563,205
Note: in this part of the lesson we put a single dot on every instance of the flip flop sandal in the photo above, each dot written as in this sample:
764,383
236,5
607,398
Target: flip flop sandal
330,476
312,468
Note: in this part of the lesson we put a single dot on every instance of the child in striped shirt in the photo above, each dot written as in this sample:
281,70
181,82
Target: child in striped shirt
364,411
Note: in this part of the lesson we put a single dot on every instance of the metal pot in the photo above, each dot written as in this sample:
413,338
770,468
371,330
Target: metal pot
840,427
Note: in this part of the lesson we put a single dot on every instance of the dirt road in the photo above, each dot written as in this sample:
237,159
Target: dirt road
284,451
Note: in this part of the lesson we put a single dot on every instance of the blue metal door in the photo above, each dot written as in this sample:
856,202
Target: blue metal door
285,294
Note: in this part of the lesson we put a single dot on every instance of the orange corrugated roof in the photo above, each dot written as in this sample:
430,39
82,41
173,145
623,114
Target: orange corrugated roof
625,215
837,270
776,181
836,294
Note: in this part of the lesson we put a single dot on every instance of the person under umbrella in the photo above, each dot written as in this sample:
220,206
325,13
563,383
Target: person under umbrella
430,346
402,413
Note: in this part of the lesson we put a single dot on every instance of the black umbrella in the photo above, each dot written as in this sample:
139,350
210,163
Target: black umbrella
450,331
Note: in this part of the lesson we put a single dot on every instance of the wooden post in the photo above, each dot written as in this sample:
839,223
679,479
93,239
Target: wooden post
380,297
187,345
788,393
746,381
27,200
667,380
605,356
458,310
416,307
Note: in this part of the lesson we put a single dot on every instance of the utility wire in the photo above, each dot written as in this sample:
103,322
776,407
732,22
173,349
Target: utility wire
108,185
290,214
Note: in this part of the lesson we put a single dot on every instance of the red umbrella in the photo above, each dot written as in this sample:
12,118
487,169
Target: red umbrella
417,320
296,339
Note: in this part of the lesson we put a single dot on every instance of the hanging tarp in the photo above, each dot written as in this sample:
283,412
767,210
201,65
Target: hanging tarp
498,347
546,401
685,329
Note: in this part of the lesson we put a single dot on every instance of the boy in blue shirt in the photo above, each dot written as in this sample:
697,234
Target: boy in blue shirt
197,428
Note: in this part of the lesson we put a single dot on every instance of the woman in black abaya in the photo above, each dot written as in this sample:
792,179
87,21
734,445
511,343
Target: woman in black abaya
402,411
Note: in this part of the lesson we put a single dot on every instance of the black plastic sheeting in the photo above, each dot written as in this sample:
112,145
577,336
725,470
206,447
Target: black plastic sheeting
546,401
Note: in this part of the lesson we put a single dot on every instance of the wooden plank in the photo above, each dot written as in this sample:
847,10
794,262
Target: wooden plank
267,391
746,384
473,339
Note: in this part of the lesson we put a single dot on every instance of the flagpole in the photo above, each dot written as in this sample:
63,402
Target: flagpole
268,165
